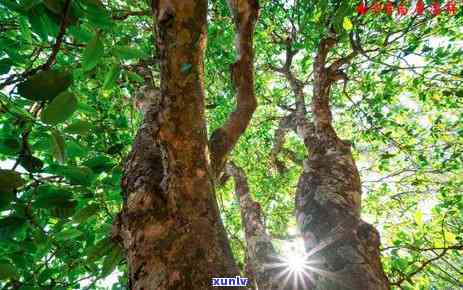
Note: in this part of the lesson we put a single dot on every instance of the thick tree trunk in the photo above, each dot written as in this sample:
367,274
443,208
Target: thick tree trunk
170,225
344,249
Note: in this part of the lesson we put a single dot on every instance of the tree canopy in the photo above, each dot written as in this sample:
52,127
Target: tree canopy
73,75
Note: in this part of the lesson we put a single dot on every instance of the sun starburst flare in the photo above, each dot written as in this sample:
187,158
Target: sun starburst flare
299,267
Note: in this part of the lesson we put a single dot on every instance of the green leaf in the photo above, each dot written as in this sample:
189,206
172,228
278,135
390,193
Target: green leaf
42,22
25,31
12,5
30,4
347,24
58,200
86,212
15,107
92,53
49,196
19,260
97,14
100,249
135,77
80,33
73,149
78,175
5,65
111,77
10,226
58,146
45,275
60,109
127,52
10,180
99,164
45,85
55,6
10,146
111,261
78,127
419,218
8,271
86,108
68,234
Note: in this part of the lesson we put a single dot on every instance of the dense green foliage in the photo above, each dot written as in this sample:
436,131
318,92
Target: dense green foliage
69,112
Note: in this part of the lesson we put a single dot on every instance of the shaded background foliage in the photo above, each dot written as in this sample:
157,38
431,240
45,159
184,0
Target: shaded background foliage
59,181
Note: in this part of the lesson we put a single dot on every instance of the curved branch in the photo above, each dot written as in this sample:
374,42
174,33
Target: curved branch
409,276
301,124
322,84
59,38
223,139
286,123
54,52
260,254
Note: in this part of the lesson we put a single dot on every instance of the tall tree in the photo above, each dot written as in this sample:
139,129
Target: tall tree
170,225
328,196
95,94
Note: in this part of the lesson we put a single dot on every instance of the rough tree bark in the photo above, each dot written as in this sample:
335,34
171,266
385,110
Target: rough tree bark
344,248
329,195
263,266
170,226
223,139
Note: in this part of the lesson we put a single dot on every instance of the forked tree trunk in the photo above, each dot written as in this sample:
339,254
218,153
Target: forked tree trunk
170,225
344,249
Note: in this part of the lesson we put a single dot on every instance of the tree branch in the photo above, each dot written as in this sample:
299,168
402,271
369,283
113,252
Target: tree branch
59,37
122,15
286,123
223,139
259,248
54,52
302,126
322,83
409,276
